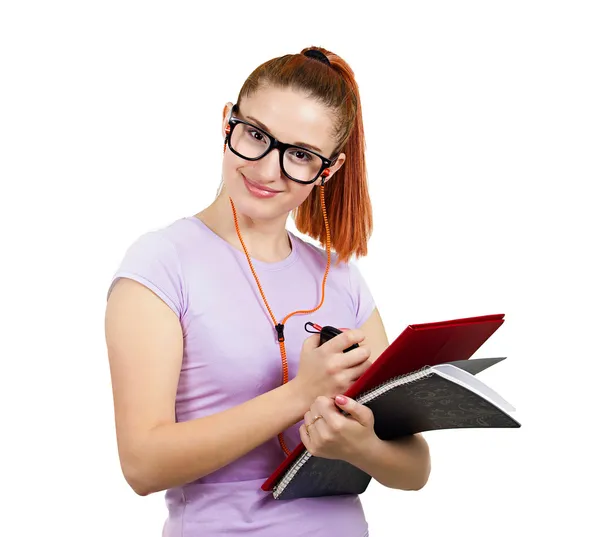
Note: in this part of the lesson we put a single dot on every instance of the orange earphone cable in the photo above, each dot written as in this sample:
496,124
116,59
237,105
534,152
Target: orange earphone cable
279,327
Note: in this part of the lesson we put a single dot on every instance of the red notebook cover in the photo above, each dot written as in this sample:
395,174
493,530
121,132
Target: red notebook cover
419,345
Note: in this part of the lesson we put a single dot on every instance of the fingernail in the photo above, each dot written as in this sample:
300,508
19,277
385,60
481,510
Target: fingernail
340,399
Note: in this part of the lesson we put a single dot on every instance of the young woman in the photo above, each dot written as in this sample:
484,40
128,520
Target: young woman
215,378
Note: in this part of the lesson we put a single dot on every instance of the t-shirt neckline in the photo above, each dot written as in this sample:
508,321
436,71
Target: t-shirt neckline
265,265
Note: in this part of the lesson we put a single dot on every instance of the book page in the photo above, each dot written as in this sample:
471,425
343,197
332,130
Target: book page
470,382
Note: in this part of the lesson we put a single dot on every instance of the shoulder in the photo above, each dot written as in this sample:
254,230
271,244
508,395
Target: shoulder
174,236
168,243
154,259
153,247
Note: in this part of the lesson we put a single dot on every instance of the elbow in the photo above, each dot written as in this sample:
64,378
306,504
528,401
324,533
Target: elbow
140,487
416,478
408,480
419,485
422,475
412,484
423,478
138,475
138,481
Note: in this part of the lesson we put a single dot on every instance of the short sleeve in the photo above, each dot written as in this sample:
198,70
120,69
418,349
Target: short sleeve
364,303
152,261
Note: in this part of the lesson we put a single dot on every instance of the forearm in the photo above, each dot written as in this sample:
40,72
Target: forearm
176,453
400,464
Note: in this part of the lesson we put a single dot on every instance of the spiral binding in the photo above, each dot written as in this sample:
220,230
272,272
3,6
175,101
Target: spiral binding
401,380
289,475
372,394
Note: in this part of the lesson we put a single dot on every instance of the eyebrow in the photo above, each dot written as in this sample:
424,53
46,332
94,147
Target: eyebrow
302,144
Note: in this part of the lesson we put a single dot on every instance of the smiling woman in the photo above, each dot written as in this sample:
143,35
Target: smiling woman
214,377
258,163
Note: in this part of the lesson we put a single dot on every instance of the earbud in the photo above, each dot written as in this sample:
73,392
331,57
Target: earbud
324,176
227,131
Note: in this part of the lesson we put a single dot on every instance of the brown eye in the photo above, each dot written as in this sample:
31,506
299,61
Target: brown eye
302,156
257,135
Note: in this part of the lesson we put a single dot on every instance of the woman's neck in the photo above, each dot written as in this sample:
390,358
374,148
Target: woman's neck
265,240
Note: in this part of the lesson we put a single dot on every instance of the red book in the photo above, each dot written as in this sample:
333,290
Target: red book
418,346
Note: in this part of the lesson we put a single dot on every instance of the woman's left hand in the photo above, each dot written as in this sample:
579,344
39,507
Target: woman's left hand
328,433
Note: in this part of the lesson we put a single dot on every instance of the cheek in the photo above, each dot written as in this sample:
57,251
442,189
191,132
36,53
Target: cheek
230,166
231,173
298,193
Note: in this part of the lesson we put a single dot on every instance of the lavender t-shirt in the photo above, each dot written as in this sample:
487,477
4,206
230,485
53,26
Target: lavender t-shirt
231,355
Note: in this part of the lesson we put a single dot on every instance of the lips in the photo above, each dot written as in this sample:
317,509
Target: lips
261,187
258,190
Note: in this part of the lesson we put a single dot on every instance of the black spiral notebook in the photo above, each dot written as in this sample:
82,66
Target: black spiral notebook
445,396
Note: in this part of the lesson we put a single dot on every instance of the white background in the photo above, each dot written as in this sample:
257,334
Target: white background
482,123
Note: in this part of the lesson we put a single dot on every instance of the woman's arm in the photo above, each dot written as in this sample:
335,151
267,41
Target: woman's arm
145,347
404,463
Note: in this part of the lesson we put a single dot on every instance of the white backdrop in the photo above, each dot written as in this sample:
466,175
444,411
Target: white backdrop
482,123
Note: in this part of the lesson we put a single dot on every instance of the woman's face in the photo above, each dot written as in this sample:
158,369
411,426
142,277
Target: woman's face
259,189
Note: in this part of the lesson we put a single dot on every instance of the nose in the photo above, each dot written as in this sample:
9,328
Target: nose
269,167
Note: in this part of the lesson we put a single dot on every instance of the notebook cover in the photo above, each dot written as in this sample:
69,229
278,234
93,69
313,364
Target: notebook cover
476,365
326,477
419,345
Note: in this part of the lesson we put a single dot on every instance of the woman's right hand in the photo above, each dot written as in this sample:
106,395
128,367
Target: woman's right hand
327,370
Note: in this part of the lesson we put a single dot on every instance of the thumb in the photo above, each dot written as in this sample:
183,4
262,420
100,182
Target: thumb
359,412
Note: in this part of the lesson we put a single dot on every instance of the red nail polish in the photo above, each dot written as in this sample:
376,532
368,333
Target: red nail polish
340,399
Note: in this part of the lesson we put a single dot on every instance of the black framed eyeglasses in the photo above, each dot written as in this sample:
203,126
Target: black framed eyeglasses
250,142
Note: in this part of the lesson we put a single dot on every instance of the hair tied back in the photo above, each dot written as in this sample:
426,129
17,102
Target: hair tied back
318,55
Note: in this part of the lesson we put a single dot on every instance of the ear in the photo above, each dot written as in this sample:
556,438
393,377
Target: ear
338,164
226,110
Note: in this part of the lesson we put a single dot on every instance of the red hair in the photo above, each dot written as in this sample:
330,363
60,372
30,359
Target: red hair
346,194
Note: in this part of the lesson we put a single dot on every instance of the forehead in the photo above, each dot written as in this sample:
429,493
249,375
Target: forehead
291,116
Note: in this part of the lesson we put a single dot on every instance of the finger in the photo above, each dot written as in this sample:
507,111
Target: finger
305,437
354,373
331,416
355,357
309,427
344,340
316,419
324,428
359,412
322,406
310,416
319,429
311,342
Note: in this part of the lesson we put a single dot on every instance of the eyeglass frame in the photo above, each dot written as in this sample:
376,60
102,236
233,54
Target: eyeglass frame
274,143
